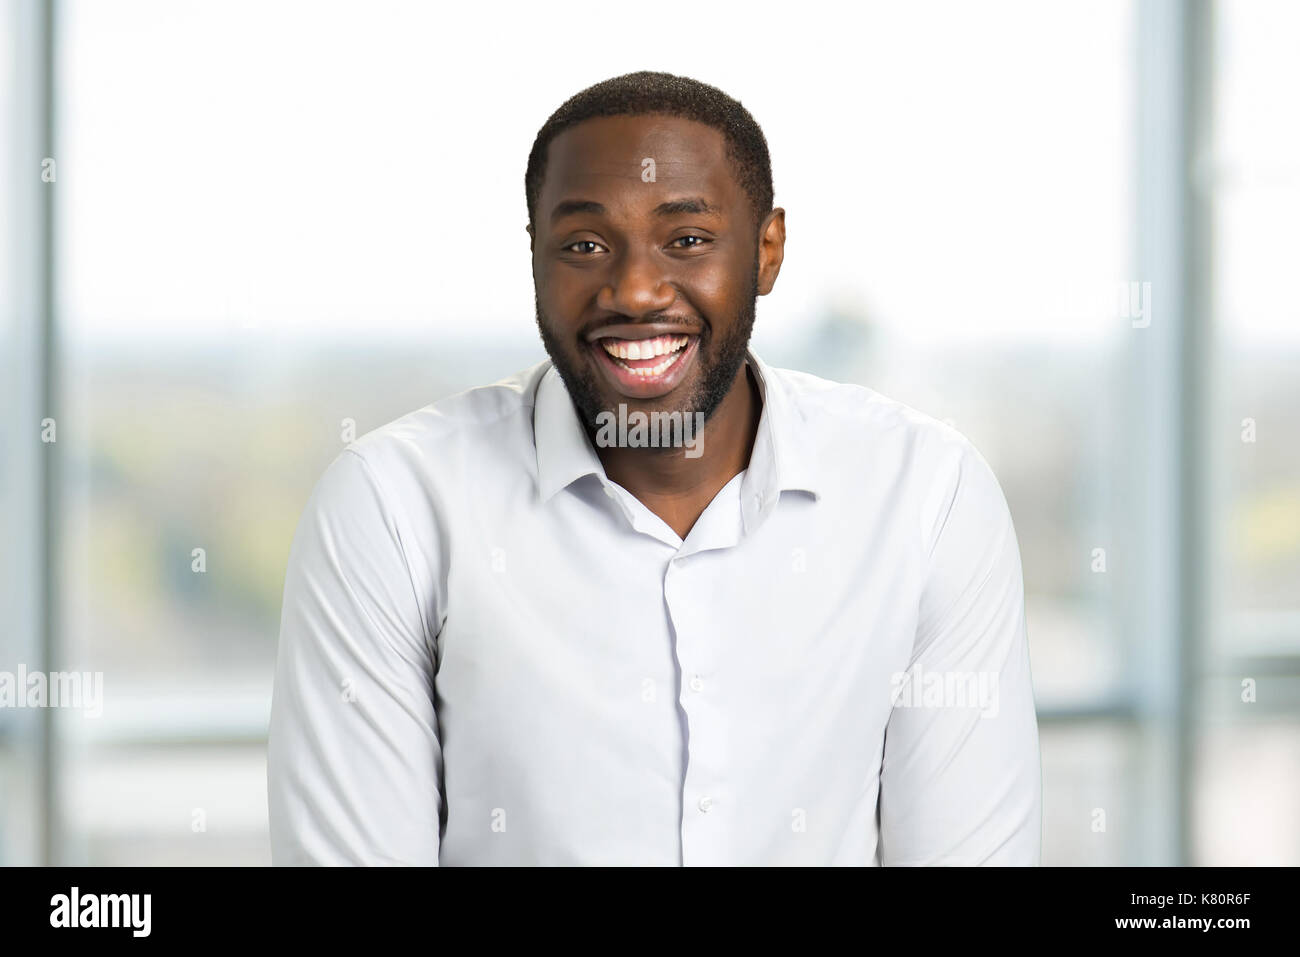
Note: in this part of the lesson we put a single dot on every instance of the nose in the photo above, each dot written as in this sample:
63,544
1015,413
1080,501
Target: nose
637,286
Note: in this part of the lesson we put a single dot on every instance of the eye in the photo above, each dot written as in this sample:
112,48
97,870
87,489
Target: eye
583,242
699,241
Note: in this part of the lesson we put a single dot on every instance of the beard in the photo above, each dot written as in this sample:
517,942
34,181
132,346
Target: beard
717,362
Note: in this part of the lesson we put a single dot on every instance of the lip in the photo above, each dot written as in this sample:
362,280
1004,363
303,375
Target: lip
642,387
640,330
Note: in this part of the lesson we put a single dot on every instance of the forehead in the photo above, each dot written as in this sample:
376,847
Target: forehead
603,159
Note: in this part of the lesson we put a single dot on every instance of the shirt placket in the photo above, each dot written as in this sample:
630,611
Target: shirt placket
708,799
705,802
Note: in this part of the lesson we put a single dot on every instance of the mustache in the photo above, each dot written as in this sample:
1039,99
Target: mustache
680,323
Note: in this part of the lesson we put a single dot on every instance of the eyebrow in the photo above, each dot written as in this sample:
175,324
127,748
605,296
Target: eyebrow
693,205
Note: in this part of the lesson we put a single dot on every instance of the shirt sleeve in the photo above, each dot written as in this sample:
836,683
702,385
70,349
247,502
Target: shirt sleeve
353,759
961,781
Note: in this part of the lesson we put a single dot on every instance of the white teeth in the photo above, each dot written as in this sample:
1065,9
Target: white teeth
644,348
652,371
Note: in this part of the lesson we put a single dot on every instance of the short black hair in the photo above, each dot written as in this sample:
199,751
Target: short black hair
647,92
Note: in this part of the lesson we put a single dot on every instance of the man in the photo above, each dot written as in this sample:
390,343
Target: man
783,624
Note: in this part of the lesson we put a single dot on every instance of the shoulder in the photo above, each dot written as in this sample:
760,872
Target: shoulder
401,481
876,437
885,427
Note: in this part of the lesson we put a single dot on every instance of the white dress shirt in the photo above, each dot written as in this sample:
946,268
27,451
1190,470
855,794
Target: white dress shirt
490,653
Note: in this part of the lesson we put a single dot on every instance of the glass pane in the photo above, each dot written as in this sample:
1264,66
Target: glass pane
165,806
1089,812
1248,790
1247,783
1254,185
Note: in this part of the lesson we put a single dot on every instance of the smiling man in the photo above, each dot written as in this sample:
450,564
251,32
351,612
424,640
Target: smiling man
781,624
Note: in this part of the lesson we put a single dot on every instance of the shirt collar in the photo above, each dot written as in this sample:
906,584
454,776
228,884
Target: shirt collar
781,458
564,453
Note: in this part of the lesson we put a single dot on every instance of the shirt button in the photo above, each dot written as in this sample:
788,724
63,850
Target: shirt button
706,803
697,684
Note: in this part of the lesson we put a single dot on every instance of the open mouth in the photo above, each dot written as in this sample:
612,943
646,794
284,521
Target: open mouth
645,368
646,357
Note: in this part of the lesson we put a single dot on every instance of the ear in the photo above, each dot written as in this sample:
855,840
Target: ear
531,237
771,250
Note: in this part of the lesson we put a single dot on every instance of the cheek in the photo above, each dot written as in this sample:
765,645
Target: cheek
726,278
713,290
557,302
567,291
